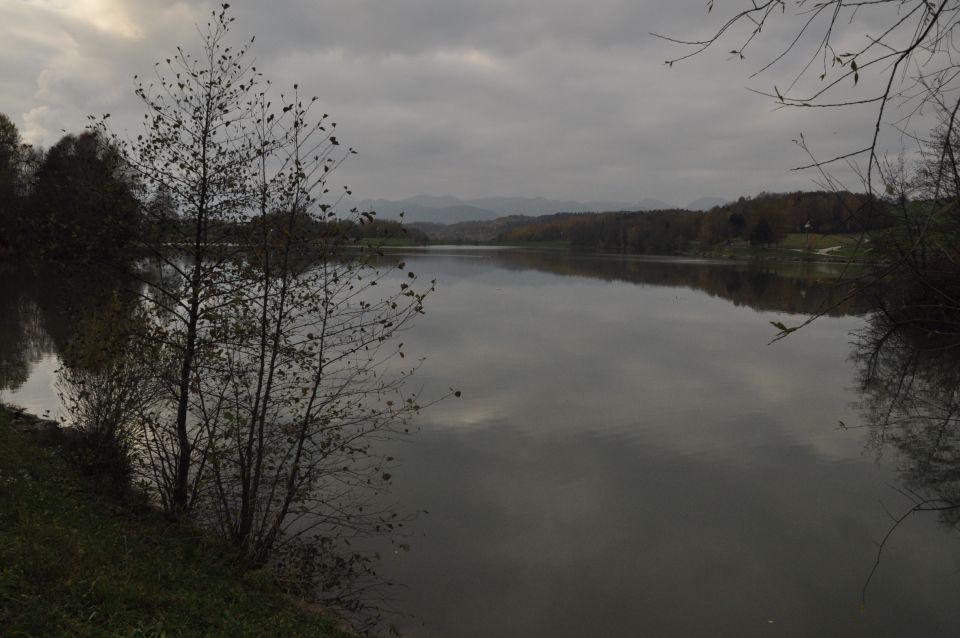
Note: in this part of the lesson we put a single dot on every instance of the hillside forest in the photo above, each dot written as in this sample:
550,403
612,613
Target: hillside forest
761,221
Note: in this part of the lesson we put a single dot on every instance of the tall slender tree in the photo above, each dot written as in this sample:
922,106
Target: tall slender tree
271,319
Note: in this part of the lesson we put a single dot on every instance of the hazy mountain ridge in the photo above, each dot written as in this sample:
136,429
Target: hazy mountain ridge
478,230
706,203
450,213
447,209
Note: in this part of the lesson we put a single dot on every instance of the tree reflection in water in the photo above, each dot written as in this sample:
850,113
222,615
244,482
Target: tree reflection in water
42,305
909,384
40,309
803,288
23,341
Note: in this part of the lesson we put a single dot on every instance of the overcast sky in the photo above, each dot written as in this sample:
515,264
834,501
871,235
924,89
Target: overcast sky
551,98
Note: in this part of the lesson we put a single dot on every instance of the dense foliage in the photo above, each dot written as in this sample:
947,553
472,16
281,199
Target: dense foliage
74,201
763,220
80,201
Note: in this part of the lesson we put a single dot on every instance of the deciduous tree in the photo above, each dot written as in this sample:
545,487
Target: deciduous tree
270,323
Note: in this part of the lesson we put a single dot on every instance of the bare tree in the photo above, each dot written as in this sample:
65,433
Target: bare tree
912,54
304,386
897,58
271,328
195,150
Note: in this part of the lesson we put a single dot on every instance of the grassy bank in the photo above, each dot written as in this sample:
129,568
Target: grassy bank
793,247
74,562
798,246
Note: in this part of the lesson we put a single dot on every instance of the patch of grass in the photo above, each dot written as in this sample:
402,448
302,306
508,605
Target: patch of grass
74,562
792,248
817,241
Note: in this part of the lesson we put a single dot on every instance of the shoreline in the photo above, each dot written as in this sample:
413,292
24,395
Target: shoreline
81,561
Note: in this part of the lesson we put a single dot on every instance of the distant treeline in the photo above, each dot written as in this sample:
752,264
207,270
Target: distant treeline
763,220
78,200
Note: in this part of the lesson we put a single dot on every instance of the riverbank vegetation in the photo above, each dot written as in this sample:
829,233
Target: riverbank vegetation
75,561
243,367
80,200
802,222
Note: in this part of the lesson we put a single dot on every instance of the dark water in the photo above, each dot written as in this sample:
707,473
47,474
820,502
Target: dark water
630,457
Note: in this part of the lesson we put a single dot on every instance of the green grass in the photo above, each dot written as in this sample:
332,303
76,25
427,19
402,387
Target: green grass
794,248
816,241
74,562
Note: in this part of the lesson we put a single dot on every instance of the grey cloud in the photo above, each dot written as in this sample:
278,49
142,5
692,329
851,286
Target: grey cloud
414,26
552,98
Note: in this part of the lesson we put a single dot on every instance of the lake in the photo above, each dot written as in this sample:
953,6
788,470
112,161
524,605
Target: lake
631,456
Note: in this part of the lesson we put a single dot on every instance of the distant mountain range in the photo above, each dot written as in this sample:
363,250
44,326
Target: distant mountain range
446,209
706,203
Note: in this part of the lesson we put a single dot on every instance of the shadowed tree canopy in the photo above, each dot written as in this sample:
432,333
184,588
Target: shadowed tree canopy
10,149
762,234
83,204
676,231
9,155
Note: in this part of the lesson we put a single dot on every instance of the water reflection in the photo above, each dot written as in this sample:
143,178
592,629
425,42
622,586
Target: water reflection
796,288
23,341
40,309
630,458
40,306
910,388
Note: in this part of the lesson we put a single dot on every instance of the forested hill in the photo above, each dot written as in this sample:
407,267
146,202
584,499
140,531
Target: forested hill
762,220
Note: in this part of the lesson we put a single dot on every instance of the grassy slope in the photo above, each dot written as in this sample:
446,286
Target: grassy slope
75,563
795,246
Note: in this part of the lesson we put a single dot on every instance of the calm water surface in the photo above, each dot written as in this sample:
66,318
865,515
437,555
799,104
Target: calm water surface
630,457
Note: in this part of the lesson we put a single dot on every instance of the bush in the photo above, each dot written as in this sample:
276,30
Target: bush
104,388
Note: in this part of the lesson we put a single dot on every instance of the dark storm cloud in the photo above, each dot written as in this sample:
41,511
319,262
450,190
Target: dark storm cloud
554,98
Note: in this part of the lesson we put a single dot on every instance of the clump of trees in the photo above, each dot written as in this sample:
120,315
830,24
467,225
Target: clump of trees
916,283
365,229
80,200
762,221
654,232
74,201
14,183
